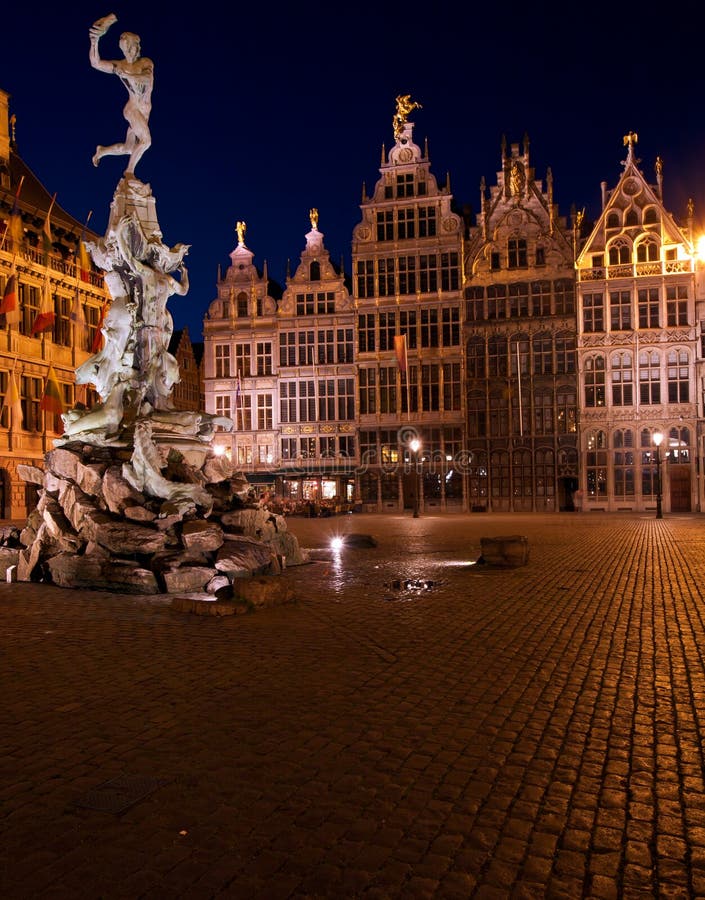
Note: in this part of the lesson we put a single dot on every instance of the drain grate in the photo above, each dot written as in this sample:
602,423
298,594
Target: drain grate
119,794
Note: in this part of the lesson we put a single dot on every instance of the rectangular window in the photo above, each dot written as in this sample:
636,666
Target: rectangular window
676,304
326,347
388,389
385,225
405,185
287,348
430,388
497,301
387,330
518,300
450,327
368,384
288,401
304,305
407,274
385,277
346,399
406,226
62,324
307,348
429,327
325,303
593,313
427,221
451,386
620,310
450,272
648,302
366,332
326,400
264,412
564,292
289,447
264,358
326,447
344,345
516,253
428,273
243,360
222,361
307,401
346,443
365,278
407,326
541,298
307,447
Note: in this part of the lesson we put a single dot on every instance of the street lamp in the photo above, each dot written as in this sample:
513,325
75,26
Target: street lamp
658,438
415,446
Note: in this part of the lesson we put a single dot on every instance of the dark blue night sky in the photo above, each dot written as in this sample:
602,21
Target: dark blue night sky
260,115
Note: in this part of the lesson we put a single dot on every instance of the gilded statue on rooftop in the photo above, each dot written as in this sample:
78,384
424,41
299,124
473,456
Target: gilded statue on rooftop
404,107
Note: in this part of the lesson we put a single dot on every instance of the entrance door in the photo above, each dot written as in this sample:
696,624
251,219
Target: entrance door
679,483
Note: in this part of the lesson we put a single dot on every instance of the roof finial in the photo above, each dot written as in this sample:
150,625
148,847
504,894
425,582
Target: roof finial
404,106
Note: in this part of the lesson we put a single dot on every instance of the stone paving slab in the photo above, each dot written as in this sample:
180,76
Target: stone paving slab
529,732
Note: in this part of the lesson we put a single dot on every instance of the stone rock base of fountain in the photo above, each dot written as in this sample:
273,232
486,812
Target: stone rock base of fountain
92,529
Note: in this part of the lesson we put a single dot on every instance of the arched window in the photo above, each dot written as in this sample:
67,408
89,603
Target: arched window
613,220
620,253
499,474
678,450
649,377
242,305
543,353
631,218
678,376
315,271
622,377
650,216
595,380
647,250
648,462
476,357
497,356
596,465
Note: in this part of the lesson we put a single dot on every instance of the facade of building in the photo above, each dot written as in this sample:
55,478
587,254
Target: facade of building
187,391
640,306
407,258
520,339
42,272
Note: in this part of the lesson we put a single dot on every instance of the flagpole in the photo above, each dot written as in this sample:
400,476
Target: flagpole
521,425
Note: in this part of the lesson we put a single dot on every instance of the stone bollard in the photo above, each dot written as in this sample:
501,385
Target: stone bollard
505,551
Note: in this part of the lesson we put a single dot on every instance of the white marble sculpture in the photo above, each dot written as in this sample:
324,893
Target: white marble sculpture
133,372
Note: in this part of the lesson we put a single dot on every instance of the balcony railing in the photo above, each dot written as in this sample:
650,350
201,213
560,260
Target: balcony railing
637,270
54,262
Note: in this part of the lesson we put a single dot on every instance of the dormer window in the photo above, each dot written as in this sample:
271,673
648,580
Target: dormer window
405,185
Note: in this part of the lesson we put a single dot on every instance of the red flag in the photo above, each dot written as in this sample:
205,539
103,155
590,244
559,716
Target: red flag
98,336
13,403
84,265
46,316
47,240
8,306
16,226
51,400
400,351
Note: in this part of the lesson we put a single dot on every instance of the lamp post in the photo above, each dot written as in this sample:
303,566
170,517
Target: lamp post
658,438
415,446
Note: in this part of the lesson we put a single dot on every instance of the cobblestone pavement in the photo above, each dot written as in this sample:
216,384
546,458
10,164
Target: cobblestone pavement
411,726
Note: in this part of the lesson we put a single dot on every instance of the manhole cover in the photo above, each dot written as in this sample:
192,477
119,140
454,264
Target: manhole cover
119,794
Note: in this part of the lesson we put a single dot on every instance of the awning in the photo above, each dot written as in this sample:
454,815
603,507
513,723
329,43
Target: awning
260,477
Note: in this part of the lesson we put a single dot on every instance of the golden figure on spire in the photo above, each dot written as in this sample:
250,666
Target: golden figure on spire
631,139
404,106
313,215
241,228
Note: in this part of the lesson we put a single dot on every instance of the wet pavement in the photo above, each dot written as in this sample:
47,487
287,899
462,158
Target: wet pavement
413,725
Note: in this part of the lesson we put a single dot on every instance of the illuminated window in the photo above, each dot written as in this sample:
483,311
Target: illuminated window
222,360
620,310
622,379
649,377
648,302
595,381
678,376
593,313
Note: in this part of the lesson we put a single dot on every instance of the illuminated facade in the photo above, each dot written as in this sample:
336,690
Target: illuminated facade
407,256
50,279
639,348
520,338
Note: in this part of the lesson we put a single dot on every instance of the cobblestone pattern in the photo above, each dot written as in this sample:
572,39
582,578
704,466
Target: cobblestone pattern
534,732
